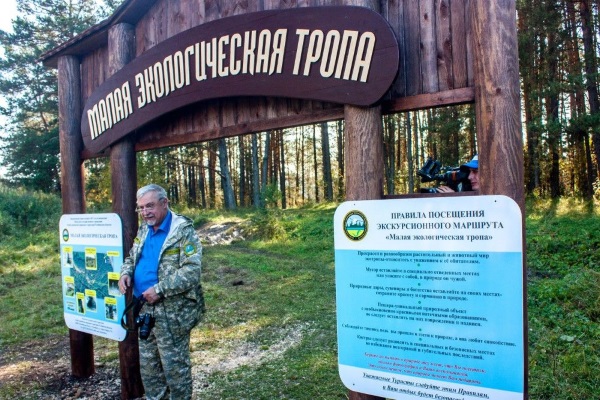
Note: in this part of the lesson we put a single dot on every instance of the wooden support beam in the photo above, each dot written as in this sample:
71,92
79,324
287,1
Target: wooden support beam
363,157
497,106
430,100
73,199
498,113
121,50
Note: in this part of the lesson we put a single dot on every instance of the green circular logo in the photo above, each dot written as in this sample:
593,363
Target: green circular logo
65,235
355,225
189,249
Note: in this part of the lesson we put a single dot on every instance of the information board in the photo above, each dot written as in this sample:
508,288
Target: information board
91,249
430,297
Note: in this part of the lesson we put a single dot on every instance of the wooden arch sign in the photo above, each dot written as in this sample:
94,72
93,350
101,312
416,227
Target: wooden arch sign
316,53
444,47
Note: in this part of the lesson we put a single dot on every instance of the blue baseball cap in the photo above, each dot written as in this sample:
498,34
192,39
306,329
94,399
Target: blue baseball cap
474,163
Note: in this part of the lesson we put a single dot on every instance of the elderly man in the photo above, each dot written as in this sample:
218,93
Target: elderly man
164,267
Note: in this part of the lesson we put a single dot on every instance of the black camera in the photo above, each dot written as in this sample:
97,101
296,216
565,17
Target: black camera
145,322
456,178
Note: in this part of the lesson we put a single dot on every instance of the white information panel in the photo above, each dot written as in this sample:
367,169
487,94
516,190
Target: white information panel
91,249
430,297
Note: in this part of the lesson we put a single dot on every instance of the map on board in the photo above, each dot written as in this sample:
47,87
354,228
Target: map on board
92,255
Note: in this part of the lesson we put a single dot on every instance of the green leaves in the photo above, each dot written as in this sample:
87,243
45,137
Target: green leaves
31,148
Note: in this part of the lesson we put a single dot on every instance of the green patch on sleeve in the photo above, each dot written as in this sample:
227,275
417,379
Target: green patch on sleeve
169,252
189,249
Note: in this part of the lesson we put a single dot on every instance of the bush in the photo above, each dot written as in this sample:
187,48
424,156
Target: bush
24,210
266,225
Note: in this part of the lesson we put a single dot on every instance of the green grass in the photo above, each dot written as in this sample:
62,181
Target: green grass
563,241
270,325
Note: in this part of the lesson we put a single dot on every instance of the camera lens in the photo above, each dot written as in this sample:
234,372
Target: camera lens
145,323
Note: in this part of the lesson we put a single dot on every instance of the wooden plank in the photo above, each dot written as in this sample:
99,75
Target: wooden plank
429,100
412,43
393,12
212,10
145,38
233,7
470,56
161,21
158,137
280,4
459,42
151,29
86,71
179,17
229,113
198,12
428,46
444,45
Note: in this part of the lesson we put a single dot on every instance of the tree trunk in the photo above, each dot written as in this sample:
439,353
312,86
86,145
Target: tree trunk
242,183
212,179
326,157
340,159
591,73
226,184
409,155
315,164
202,177
389,154
255,173
297,142
552,116
265,168
303,166
282,171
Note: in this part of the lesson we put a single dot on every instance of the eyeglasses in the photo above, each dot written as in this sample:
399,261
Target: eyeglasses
148,207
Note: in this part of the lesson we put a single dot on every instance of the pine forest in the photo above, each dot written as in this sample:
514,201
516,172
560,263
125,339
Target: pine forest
558,47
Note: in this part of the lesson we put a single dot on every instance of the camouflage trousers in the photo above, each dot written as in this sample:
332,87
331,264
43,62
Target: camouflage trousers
165,360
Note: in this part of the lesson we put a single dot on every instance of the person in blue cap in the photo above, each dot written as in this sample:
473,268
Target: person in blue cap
473,168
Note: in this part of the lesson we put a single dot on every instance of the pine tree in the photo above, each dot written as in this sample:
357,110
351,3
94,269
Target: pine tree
30,147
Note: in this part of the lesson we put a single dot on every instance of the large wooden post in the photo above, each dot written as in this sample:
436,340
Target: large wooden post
363,153
497,106
363,157
498,112
121,50
71,172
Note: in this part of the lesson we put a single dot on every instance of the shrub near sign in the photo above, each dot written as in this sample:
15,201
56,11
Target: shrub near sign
345,55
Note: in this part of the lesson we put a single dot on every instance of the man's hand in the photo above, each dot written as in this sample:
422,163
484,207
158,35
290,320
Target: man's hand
150,295
124,283
444,189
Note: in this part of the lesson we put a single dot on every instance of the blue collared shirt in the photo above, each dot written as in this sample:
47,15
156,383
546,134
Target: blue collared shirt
146,270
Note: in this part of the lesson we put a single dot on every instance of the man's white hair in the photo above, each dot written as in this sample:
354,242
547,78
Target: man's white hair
162,193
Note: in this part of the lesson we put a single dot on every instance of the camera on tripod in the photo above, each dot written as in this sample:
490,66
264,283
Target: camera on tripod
455,178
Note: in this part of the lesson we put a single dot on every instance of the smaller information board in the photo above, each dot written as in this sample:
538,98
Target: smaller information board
430,297
91,253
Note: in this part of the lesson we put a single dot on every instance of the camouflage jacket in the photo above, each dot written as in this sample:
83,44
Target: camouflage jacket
179,269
